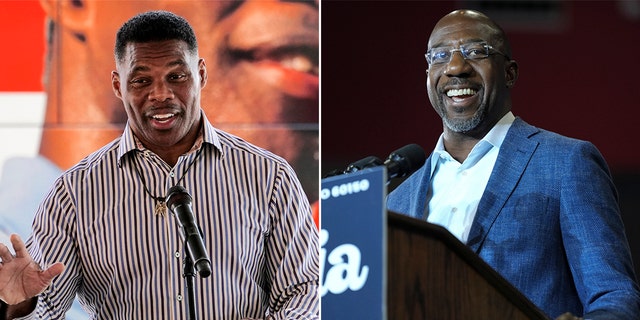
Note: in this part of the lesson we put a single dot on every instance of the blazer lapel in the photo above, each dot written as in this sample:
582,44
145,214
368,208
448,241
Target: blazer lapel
515,153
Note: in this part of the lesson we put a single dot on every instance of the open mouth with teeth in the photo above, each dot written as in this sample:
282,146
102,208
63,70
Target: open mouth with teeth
163,118
461,94
301,59
291,69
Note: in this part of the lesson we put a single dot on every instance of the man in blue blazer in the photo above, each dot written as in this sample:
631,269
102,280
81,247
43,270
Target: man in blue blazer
538,207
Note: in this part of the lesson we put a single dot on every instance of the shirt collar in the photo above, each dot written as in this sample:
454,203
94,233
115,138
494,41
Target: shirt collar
495,137
129,142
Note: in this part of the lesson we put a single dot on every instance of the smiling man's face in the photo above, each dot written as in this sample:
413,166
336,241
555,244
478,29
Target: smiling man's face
470,95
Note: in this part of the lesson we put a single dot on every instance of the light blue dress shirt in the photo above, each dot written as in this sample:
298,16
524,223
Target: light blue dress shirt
456,187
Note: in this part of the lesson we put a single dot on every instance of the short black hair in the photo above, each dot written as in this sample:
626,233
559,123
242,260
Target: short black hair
154,26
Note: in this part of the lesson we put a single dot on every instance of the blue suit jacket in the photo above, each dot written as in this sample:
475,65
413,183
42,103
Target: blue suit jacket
548,222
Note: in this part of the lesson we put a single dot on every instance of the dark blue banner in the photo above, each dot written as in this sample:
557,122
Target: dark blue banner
353,245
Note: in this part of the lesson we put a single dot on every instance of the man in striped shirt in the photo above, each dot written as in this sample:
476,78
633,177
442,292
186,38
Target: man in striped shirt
104,231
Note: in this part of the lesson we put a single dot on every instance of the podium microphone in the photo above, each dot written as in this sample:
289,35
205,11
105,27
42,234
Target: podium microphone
179,201
368,162
364,163
405,161
399,163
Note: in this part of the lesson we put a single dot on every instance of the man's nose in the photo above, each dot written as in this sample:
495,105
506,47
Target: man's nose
457,65
160,91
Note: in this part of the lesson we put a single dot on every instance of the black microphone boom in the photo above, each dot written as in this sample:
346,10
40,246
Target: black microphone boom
405,161
400,163
368,162
179,201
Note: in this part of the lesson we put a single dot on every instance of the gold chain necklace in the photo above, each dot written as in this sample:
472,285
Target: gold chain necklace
161,205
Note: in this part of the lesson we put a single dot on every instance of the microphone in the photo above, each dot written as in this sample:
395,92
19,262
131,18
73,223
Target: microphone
179,201
364,163
405,161
399,163
367,162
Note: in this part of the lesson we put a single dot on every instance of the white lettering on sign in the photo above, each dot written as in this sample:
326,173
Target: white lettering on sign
345,189
345,270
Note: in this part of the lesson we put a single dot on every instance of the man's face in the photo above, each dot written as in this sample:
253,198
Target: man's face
466,92
159,84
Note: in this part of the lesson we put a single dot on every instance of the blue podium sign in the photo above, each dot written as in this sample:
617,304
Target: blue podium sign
353,245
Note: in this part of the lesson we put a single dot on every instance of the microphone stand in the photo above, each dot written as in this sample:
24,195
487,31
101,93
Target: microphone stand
189,274
195,255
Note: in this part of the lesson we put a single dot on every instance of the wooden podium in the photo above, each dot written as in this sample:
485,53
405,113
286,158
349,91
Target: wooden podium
432,275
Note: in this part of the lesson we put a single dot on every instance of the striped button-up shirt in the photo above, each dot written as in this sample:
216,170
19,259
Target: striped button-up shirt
125,262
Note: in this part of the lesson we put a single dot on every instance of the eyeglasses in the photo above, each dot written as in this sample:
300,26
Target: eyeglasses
469,51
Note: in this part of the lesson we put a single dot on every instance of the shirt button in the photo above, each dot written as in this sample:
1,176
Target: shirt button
172,174
177,254
179,297
454,209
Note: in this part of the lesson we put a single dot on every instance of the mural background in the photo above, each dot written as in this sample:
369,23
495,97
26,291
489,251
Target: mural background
56,97
57,104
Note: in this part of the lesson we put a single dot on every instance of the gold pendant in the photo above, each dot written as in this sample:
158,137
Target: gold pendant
161,209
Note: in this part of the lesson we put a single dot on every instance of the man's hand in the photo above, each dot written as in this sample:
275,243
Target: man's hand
20,277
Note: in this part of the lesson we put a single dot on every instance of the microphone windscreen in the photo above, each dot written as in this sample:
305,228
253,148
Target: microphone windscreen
177,194
407,160
368,162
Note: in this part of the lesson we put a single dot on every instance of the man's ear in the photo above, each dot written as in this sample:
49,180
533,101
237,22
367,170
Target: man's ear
511,73
115,84
202,71
73,15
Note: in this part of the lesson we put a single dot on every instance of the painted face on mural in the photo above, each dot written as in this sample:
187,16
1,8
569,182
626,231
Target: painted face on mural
261,59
